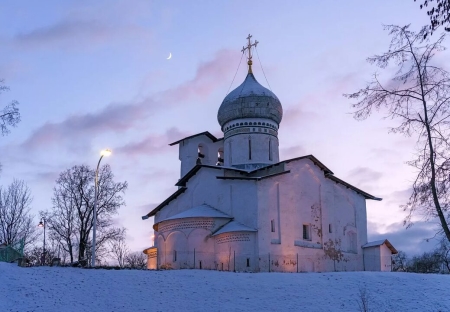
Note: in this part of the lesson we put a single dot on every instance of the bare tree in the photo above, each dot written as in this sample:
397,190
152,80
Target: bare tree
16,221
444,253
428,262
102,250
136,260
418,97
61,222
439,14
119,251
400,262
35,254
9,115
71,217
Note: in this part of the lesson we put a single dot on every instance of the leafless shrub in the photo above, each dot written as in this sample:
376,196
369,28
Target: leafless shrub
136,260
363,299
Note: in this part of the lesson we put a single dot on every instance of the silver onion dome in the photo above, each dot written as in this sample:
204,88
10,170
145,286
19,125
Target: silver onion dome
250,100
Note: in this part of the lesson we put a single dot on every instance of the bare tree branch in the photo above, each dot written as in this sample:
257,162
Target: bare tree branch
418,97
71,218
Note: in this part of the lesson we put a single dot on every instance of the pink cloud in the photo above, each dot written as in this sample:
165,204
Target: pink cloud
119,117
208,77
293,115
152,144
88,25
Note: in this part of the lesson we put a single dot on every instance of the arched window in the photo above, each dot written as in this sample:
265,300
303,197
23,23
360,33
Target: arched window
352,242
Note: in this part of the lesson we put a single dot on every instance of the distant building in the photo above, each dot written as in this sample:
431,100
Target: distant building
239,208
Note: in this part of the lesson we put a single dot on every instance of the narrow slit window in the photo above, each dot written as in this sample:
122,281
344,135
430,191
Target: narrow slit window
248,262
174,256
330,228
272,225
270,149
250,149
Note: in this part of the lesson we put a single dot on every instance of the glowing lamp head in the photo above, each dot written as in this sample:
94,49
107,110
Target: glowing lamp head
106,152
41,224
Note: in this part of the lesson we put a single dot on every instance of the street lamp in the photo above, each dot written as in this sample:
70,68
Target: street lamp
42,224
106,153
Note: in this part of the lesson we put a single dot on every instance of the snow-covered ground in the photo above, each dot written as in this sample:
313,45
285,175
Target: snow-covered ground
70,289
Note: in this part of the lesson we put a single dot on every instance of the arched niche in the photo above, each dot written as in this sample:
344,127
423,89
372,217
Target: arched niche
201,244
176,250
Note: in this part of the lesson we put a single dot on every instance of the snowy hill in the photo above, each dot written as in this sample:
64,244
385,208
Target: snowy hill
70,289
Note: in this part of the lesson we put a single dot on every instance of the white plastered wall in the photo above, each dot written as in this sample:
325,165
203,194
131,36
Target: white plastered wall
306,196
235,198
188,152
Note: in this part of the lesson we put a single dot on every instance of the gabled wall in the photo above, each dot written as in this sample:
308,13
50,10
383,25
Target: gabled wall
372,260
306,197
188,152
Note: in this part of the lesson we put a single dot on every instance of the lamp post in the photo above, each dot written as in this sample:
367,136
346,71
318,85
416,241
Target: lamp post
42,224
106,153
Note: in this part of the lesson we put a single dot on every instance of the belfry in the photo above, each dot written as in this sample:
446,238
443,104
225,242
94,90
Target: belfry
239,208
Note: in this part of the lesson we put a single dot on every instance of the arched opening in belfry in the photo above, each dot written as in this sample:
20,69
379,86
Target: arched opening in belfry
220,157
200,154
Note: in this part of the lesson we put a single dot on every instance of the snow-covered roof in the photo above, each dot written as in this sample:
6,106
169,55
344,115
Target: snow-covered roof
253,175
379,243
205,133
202,211
164,203
234,226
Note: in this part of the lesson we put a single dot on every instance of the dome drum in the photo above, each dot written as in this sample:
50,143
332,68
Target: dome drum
250,126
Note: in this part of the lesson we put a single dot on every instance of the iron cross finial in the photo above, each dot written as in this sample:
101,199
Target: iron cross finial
249,48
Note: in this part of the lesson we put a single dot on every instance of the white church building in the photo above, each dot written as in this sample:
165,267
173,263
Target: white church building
238,207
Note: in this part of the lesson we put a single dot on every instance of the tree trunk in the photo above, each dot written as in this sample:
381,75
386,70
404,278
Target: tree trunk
433,171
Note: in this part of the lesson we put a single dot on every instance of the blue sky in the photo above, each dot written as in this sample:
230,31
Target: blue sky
95,75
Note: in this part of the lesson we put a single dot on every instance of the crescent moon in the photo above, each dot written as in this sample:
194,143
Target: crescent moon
170,56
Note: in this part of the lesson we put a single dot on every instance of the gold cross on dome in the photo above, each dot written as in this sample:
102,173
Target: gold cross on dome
249,48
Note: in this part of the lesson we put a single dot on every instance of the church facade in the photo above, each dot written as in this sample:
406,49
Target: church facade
239,208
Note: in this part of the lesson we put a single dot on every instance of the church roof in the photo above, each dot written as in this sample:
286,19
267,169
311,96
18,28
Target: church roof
253,175
196,168
233,226
164,203
379,243
250,100
357,190
206,133
203,210
315,161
